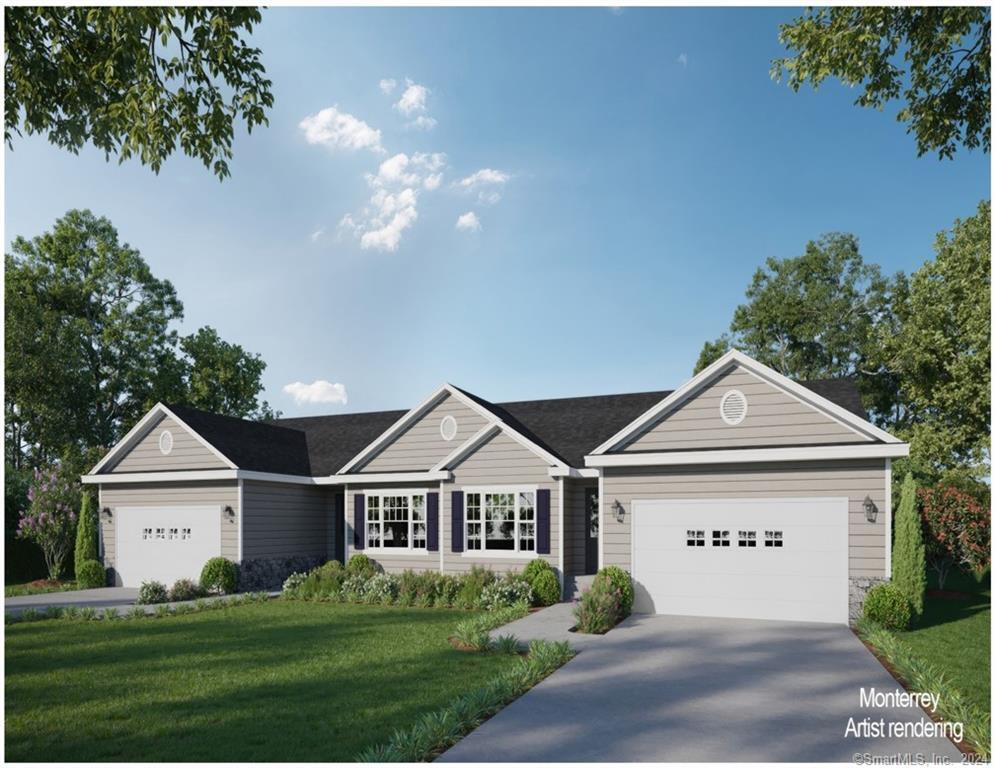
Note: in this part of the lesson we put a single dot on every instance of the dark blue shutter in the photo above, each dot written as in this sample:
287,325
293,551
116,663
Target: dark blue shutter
432,521
542,521
359,521
457,521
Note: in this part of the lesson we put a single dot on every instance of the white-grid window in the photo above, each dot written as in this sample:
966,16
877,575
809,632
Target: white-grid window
396,521
501,521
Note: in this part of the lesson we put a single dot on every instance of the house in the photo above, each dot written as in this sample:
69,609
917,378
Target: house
740,494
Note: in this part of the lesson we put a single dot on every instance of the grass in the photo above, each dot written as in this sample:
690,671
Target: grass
37,587
277,681
955,636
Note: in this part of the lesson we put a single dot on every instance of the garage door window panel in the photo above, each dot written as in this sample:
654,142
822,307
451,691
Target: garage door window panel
720,538
748,538
773,538
696,538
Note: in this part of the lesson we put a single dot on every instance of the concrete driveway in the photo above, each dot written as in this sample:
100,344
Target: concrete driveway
677,688
105,597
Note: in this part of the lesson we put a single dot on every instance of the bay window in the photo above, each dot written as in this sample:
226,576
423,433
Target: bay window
500,521
396,521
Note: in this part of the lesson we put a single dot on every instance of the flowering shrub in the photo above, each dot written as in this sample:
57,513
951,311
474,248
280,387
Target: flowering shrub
381,589
599,608
50,519
293,583
505,592
956,529
151,592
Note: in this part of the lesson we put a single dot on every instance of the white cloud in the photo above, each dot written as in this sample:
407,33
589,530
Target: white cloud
422,123
395,213
683,60
432,181
318,391
413,99
468,222
387,85
485,176
340,130
317,234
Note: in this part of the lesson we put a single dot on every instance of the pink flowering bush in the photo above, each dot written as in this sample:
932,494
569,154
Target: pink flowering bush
50,519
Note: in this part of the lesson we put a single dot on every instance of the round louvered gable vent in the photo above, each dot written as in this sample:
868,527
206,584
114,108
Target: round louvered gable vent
448,428
733,407
166,442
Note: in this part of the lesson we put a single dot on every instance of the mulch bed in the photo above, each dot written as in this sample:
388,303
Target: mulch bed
949,594
44,584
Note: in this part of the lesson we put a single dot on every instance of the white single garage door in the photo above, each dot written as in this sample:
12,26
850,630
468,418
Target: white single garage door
165,543
742,558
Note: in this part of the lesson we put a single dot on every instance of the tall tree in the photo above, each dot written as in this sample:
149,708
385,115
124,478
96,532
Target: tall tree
940,352
813,316
908,564
134,81
936,60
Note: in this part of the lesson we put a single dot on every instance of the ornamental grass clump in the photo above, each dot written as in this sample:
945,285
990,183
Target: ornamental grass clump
620,581
599,608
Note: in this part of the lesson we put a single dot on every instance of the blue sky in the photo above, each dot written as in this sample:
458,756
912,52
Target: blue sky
645,166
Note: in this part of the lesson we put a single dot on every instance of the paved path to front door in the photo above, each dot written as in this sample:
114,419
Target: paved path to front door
104,597
678,688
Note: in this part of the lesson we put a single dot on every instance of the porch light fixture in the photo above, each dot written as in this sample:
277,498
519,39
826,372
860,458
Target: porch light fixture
619,511
105,513
229,512
870,510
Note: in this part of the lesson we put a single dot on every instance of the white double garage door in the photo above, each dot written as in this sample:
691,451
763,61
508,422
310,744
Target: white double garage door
165,543
781,559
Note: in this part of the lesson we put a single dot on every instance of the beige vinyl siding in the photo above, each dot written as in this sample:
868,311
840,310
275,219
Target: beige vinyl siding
391,562
221,494
854,479
774,418
281,520
575,525
499,461
420,446
187,453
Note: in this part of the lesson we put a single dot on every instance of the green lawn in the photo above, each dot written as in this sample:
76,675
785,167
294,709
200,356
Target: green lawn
955,635
37,587
286,681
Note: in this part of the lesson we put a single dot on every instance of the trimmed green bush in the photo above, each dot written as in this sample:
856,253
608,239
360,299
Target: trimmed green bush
888,606
90,574
219,575
908,565
621,581
360,565
534,568
184,589
546,588
86,536
151,592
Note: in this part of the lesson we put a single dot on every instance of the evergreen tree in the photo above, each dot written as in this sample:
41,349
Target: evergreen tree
908,562
86,533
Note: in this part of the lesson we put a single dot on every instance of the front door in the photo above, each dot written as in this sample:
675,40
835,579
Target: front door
591,535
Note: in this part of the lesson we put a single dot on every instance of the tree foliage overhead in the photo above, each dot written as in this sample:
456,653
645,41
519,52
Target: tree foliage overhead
90,347
937,60
135,81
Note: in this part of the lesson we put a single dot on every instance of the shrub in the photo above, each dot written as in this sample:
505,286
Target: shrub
354,589
447,590
534,568
110,614
323,583
887,605
621,581
88,613
269,573
90,574
508,591
151,592
50,520
546,588
471,586
381,589
361,565
957,531
908,568
184,589
135,612
293,583
162,610
599,608
507,644
219,575
475,631
86,538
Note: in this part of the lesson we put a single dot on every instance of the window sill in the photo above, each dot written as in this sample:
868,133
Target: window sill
476,553
398,551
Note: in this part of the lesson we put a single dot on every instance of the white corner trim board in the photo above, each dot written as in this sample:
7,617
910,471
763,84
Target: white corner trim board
749,455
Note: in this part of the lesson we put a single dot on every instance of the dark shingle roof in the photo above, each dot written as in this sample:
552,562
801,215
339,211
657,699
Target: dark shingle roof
568,427
250,445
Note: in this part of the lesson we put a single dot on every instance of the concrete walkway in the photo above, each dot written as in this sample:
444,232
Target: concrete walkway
553,624
121,599
679,688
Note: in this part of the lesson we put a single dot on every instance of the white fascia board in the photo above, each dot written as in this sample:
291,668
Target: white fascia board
468,445
735,357
750,455
199,439
397,426
586,472
386,477
160,477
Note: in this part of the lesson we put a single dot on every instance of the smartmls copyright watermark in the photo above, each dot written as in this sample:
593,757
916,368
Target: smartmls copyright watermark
872,726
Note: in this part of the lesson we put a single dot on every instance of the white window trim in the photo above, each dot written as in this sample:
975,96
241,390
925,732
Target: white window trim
408,551
516,554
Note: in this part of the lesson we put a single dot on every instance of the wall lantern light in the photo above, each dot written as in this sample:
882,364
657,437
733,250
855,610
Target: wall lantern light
106,513
229,512
870,510
619,511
